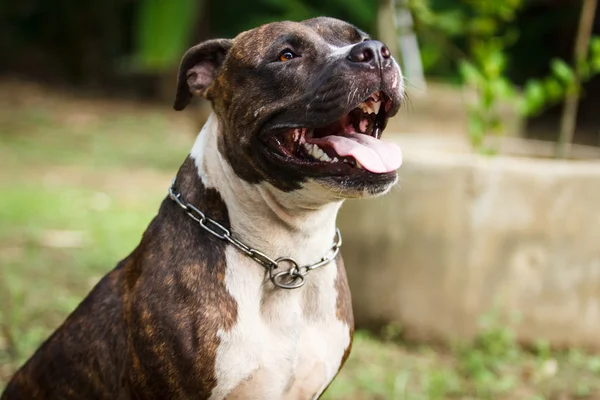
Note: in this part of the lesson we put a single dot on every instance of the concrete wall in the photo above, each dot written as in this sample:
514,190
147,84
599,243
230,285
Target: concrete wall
462,234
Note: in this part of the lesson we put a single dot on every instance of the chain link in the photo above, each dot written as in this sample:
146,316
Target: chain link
290,278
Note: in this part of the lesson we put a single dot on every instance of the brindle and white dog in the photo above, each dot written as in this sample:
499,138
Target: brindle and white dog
298,113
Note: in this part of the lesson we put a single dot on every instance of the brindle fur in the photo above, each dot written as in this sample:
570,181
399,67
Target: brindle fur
148,330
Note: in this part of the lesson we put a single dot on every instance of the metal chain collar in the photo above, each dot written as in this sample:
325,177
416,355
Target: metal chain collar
291,278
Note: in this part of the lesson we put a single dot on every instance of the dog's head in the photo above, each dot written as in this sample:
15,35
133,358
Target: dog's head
299,102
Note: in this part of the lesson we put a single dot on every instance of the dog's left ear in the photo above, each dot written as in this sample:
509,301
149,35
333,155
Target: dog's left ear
199,68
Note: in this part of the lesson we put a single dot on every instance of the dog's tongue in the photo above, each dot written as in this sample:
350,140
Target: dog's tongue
373,154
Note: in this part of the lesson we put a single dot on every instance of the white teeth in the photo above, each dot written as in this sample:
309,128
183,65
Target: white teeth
376,107
317,153
335,159
358,165
325,157
370,107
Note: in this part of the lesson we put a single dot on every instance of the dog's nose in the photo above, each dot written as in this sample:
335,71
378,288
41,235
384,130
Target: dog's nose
371,51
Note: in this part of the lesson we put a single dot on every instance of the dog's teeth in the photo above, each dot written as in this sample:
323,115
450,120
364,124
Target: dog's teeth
309,148
317,153
324,157
376,107
358,165
370,106
313,150
367,107
335,159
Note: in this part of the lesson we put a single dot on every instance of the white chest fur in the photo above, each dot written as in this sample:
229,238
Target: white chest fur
286,344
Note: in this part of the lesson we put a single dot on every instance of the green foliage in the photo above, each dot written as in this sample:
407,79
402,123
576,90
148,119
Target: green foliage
539,94
487,28
438,384
486,360
594,55
163,31
391,332
234,16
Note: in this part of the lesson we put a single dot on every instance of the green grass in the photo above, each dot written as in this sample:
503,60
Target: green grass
39,137
492,366
78,189
56,242
78,186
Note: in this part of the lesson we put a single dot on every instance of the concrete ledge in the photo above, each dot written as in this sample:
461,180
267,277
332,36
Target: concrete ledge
464,234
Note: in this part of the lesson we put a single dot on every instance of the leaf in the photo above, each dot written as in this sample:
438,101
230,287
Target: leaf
534,96
594,60
430,56
483,26
553,89
451,22
595,66
488,97
476,129
162,31
494,63
595,46
503,88
470,73
562,70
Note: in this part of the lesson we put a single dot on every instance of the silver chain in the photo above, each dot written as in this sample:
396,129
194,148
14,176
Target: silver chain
290,278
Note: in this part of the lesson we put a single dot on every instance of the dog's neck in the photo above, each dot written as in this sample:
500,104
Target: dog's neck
298,224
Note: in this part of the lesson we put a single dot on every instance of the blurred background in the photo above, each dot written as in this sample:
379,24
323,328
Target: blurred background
478,277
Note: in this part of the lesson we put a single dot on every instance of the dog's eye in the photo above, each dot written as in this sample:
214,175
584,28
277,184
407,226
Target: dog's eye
287,55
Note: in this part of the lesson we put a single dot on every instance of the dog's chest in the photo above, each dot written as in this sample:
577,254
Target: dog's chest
286,344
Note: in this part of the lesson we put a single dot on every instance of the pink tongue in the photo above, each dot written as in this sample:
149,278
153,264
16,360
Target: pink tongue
373,154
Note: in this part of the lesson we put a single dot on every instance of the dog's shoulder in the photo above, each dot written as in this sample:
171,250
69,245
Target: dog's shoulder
176,299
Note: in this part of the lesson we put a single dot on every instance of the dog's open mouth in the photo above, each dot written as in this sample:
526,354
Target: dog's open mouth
353,140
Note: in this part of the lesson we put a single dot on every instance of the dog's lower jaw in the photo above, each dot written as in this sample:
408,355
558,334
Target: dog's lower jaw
285,343
275,222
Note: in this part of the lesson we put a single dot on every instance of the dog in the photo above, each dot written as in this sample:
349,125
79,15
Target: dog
237,289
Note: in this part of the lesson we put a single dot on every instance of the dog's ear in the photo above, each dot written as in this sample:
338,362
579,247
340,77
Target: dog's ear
198,69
